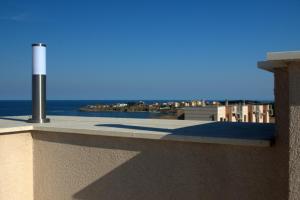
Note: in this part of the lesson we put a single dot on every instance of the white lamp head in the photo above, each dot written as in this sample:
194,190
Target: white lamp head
38,59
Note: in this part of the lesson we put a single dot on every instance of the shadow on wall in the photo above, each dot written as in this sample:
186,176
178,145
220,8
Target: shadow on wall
255,131
13,119
174,170
179,171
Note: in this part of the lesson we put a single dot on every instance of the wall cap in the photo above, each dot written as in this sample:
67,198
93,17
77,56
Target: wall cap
279,60
249,134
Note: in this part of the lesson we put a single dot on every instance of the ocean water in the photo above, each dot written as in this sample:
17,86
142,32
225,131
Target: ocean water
70,108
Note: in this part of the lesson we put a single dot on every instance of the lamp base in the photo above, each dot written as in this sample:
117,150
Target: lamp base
46,120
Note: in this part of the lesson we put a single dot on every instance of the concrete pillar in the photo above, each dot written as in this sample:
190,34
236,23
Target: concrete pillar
286,69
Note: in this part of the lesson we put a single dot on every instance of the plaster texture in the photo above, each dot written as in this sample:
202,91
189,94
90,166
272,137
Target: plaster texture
109,158
16,166
106,158
77,166
294,130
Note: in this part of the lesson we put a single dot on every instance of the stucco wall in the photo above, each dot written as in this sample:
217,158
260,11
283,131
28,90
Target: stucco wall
281,82
294,130
74,166
287,98
16,181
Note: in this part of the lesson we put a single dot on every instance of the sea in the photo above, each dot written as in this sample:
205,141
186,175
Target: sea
71,108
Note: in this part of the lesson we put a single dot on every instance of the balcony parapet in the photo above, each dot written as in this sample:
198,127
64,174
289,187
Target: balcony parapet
249,134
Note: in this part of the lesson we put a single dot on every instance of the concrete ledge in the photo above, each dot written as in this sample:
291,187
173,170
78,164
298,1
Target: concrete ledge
279,60
284,55
250,134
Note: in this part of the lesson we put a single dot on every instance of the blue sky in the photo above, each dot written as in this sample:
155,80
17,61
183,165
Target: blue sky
146,49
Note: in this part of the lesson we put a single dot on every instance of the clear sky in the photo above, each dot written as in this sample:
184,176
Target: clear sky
146,49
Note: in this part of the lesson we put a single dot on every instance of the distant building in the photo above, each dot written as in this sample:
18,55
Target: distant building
230,113
122,104
207,113
195,103
186,104
259,113
237,113
267,113
176,104
215,103
203,103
